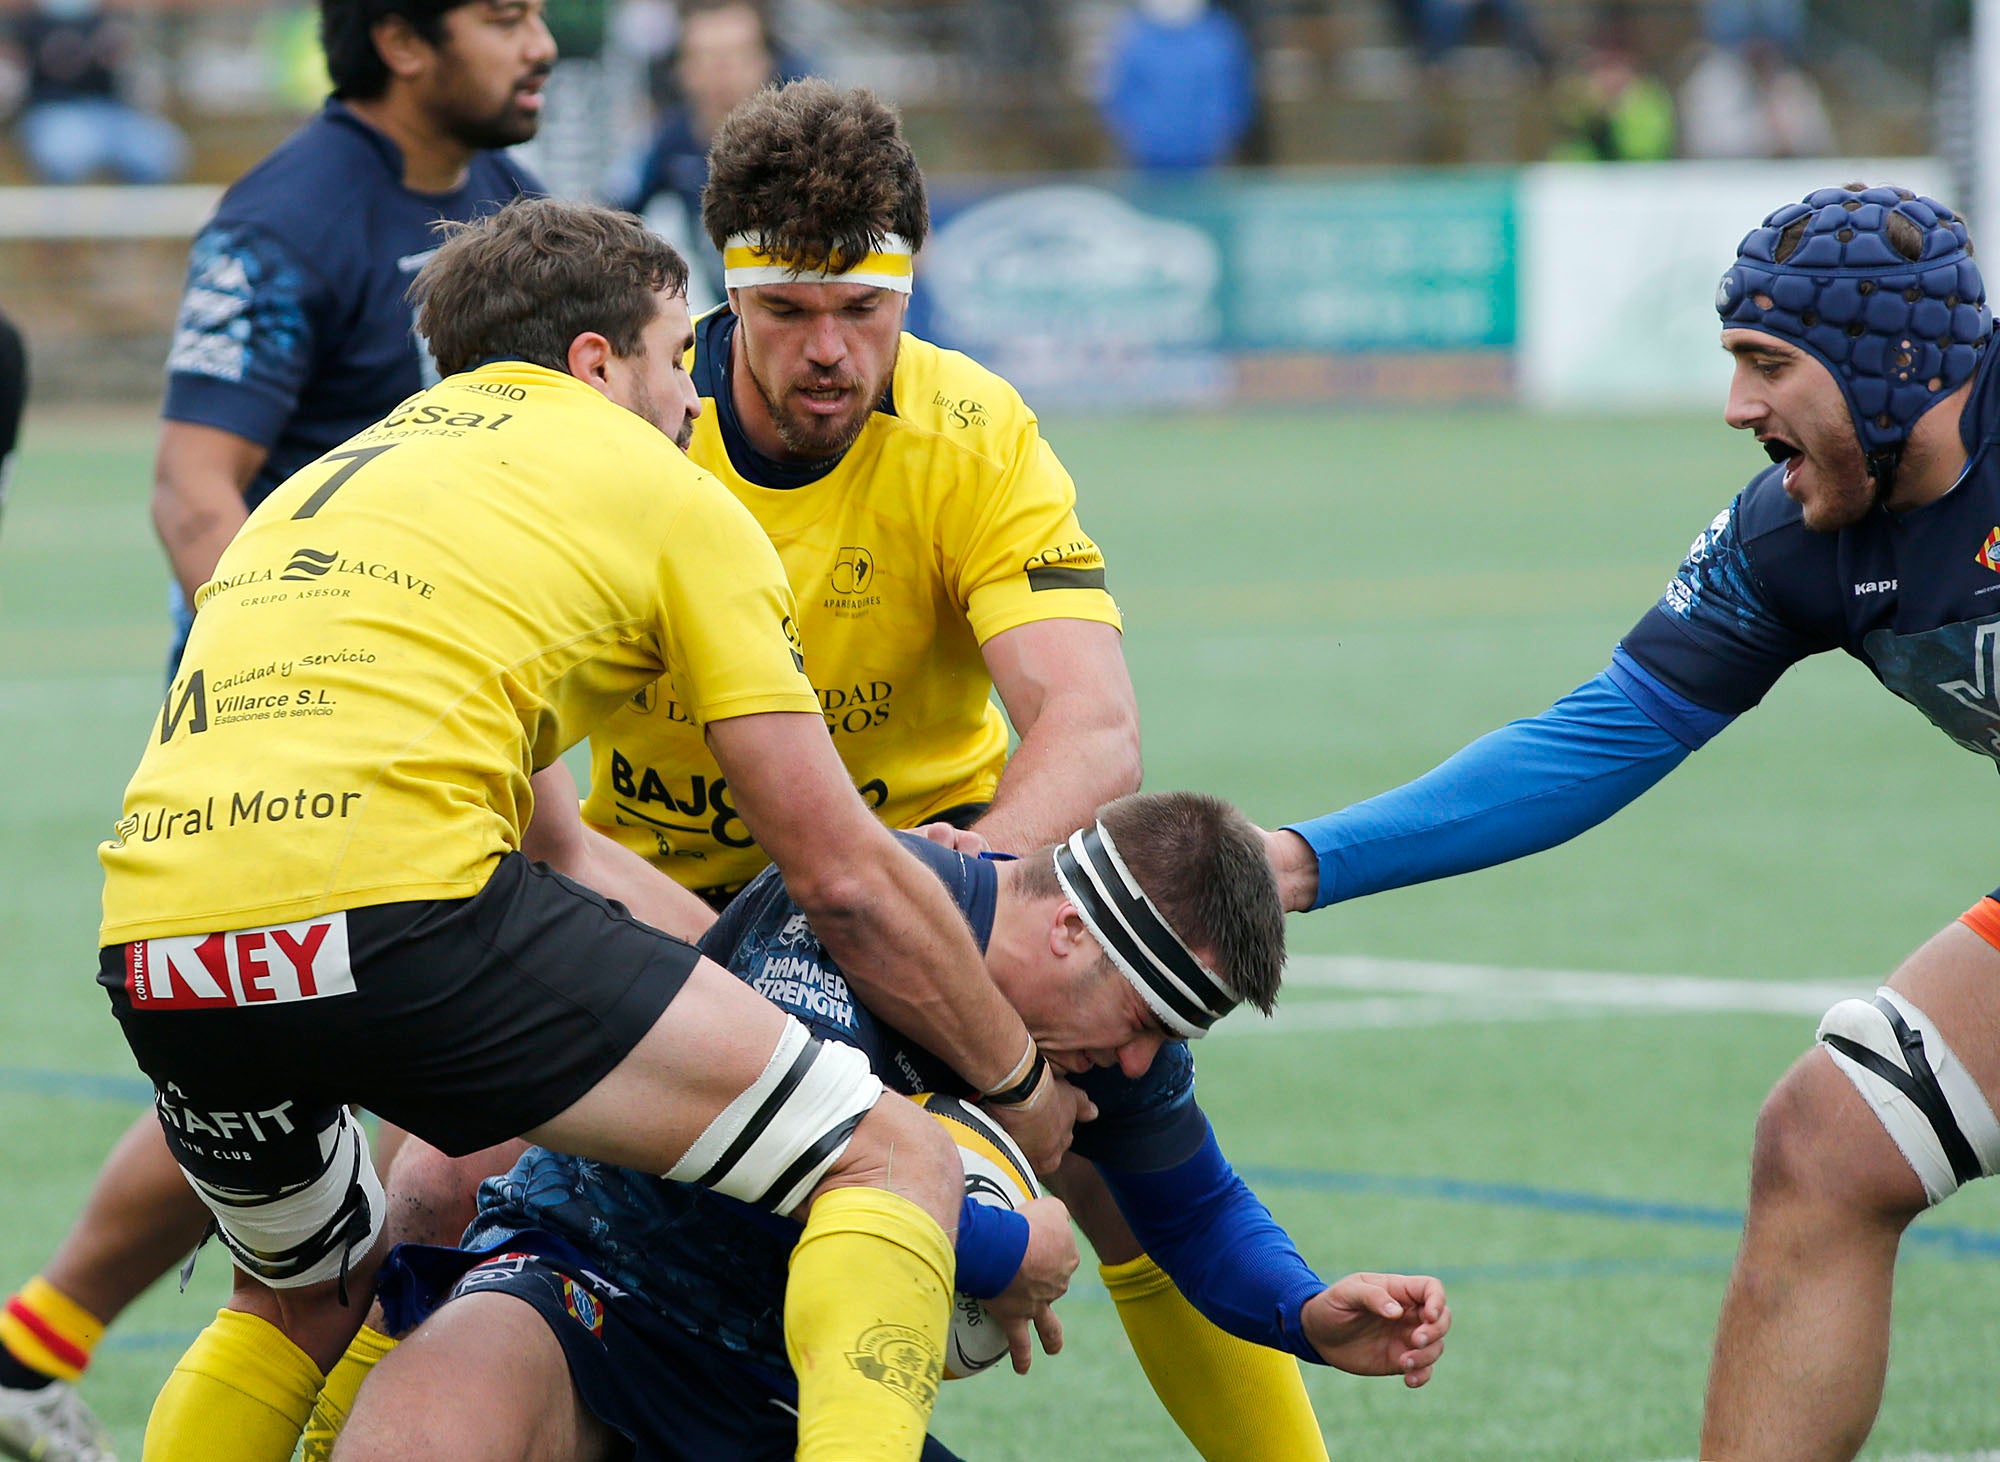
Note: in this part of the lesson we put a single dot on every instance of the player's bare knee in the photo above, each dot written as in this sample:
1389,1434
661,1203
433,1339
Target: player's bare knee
1818,1148
1797,1140
419,1184
432,1197
900,1149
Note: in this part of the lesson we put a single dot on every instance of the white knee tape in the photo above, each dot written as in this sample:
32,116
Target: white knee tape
313,1233
773,1143
1922,1094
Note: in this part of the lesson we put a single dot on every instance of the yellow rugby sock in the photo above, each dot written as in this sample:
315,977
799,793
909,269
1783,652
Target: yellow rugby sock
867,1309
1237,1402
48,1332
336,1397
240,1394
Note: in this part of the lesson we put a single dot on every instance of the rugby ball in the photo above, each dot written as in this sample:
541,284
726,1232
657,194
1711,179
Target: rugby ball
997,1175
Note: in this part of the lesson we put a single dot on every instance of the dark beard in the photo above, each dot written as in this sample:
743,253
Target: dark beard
815,448
509,128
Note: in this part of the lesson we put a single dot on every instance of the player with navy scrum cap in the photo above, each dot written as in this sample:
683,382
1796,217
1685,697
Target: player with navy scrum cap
1859,327
1880,287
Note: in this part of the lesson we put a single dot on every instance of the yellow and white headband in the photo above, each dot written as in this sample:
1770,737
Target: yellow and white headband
745,265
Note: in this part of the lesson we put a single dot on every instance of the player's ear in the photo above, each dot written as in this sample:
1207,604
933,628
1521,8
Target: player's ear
1066,930
590,359
406,54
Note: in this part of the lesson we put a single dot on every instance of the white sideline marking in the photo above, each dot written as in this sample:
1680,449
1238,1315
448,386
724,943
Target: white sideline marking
1419,993
106,211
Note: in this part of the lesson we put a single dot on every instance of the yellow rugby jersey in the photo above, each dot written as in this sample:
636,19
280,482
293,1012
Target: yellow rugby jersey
948,521
408,627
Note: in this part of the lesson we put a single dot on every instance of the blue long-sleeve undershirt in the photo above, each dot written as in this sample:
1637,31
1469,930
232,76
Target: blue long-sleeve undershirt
1525,787
1219,1244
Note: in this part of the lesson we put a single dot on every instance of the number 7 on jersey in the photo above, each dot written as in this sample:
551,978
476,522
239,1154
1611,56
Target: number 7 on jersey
357,459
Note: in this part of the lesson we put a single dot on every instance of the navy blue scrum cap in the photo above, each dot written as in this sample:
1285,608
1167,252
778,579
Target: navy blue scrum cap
1880,285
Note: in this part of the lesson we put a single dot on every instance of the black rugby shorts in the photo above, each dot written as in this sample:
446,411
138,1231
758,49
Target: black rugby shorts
468,1021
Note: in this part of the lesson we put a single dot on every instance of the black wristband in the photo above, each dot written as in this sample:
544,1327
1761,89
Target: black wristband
1020,1091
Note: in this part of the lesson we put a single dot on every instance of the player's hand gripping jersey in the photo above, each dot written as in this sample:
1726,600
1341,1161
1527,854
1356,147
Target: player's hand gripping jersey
409,627
948,521
1914,596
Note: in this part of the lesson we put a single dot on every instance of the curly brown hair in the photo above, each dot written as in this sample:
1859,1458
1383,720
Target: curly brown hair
818,174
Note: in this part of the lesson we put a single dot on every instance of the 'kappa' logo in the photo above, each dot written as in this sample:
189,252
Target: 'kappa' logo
310,563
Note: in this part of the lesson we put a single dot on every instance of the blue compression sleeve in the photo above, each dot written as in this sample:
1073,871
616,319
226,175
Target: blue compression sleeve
1528,786
1219,1244
991,1244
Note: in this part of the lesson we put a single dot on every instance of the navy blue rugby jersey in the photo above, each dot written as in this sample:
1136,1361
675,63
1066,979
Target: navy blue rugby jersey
716,1266
1143,1125
295,332
1914,596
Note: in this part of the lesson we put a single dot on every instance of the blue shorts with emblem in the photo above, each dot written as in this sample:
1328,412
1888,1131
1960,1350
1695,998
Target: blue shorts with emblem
672,1397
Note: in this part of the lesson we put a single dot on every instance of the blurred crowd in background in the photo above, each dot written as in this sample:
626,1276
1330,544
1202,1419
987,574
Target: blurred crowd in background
1249,97
156,90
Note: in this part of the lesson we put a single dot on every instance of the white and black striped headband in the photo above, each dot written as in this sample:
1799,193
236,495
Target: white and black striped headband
1187,996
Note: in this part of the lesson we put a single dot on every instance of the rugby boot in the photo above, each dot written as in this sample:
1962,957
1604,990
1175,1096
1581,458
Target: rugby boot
51,1424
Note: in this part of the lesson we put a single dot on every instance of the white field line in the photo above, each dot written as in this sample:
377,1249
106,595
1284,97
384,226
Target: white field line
1420,993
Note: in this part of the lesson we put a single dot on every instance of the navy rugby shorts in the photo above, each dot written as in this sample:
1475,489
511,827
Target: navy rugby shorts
467,1021
674,1397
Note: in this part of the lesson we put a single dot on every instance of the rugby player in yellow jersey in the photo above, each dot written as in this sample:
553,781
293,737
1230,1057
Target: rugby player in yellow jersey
316,894
928,531
931,540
